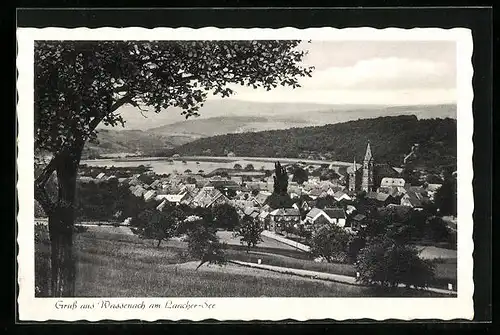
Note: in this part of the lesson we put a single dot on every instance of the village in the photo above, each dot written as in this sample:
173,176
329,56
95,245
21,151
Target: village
315,198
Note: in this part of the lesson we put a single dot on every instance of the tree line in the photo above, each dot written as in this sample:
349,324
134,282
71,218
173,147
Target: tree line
392,138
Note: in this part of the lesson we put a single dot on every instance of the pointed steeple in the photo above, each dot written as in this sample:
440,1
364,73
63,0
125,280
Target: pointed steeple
368,154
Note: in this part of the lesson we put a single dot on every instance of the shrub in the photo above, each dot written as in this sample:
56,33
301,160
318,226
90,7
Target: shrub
386,263
225,216
330,242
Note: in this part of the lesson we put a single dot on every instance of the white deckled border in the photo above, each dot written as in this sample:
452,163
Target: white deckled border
42,309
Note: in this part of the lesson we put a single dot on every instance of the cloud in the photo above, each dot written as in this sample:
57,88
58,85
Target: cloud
384,73
401,96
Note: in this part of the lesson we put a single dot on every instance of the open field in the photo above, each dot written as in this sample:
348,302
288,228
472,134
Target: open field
432,252
128,267
121,265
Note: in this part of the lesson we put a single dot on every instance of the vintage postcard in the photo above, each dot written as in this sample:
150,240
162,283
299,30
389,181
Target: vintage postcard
244,174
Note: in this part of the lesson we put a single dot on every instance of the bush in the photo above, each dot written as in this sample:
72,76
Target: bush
386,263
225,216
249,167
330,242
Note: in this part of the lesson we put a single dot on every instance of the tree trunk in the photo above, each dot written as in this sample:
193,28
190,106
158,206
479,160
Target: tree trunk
158,245
62,260
61,223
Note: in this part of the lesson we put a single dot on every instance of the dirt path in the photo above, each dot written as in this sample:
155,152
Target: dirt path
243,270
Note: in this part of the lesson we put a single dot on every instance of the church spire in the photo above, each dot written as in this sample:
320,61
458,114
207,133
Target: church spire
368,154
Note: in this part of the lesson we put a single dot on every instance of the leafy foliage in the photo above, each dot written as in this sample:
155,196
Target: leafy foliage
203,243
391,137
387,263
101,201
249,167
249,232
300,175
77,81
79,84
276,201
280,180
330,242
446,197
160,226
225,216
325,202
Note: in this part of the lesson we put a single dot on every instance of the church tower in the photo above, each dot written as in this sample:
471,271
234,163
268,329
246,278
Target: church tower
367,180
352,177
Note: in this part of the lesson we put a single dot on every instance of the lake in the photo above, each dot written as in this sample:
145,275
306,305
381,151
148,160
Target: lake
166,165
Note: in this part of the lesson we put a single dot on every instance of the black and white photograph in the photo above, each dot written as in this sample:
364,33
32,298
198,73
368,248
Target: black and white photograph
183,172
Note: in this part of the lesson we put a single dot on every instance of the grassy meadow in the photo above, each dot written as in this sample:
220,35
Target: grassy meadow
114,264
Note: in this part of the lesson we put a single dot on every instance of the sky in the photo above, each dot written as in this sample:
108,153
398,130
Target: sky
387,73
371,72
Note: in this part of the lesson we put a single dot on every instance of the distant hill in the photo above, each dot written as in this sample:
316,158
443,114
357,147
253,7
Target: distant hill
129,141
266,116
233,116
391,138
197,128
260,117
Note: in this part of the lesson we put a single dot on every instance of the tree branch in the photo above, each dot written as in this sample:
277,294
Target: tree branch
120,102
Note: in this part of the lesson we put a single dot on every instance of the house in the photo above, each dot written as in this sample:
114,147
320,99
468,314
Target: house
242,204
262,196
162,205
207,197
340,195
331,215
337,215
138,190
149,195
122,180
391,182
413,199
394,191
282,218
252,212
315,193
155,184
350,209
100,175
382,199
432,190
313,215
173,198
358,221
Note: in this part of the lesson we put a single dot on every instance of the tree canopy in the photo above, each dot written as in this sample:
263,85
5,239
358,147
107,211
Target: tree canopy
390,137
249,232
81,84
300,175
387,263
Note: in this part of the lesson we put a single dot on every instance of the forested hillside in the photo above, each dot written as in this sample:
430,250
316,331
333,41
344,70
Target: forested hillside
391,139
